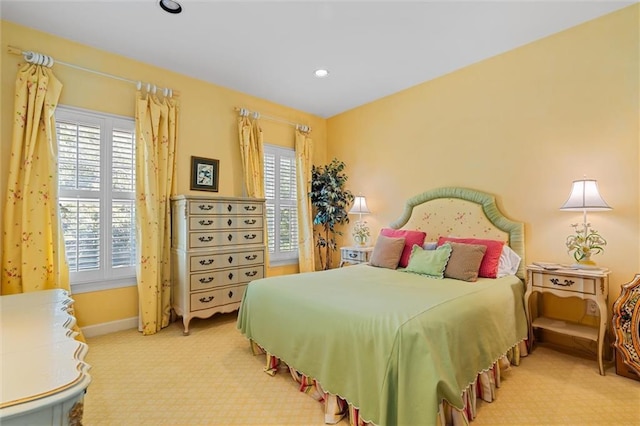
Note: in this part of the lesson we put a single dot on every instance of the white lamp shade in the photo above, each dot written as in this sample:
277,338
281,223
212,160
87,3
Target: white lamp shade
585,197
359,206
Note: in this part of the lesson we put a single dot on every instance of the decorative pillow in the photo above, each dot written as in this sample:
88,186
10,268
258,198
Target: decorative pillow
410,238
464,262
429,262
509,262
430,245
387,252
489,265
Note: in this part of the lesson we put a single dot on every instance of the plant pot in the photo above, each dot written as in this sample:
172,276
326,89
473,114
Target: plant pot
360,240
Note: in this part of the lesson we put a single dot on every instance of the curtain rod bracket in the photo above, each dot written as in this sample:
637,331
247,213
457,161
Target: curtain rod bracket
244,112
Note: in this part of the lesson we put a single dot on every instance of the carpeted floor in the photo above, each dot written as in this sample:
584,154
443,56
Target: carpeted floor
211,378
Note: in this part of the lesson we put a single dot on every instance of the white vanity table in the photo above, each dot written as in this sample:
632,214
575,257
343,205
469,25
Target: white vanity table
44,376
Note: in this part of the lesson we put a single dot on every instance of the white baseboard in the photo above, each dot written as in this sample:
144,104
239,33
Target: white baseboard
109,327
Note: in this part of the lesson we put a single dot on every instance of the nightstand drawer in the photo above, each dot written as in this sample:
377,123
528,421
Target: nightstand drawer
350,255
584,285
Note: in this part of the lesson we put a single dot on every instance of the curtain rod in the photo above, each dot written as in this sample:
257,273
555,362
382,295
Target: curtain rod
48,61
244,112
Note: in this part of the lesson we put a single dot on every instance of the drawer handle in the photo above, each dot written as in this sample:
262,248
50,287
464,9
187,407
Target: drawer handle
229,222
230,294
230,237
230,259
251,273
205,239
206,280
229,207
206,299
251,257
206,262
250,221
250,208
353,255
566,283
205,207
250,236
205,222
230,275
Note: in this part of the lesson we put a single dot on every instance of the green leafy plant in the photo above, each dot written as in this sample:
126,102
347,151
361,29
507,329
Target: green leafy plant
330,201
585,243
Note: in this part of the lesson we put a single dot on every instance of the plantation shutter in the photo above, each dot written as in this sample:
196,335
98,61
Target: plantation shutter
281,205
96,184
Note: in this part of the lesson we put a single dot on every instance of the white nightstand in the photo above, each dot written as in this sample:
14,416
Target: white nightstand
582,283
355,254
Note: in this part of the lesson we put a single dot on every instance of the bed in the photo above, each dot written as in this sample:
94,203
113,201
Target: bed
390,346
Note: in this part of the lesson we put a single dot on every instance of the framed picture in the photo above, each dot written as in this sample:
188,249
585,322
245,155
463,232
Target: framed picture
204,174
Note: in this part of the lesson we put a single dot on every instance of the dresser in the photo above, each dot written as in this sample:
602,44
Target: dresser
217,249
44,376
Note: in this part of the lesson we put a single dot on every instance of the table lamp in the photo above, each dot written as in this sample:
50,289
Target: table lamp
586,241
361,230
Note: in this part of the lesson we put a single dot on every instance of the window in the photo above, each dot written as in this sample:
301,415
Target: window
282,210
96,187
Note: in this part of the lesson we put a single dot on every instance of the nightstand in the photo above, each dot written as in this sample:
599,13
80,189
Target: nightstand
355,255
586,284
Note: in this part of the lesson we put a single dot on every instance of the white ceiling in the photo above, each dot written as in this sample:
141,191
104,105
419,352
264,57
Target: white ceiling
270,49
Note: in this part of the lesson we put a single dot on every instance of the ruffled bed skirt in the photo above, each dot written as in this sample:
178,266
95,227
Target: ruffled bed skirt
335,407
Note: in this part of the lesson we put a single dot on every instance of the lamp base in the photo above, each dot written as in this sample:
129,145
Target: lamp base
586,266
360,241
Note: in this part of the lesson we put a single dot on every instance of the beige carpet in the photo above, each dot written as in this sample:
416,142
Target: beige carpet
211,378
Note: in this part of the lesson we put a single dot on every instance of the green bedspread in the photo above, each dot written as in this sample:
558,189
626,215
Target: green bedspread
393,344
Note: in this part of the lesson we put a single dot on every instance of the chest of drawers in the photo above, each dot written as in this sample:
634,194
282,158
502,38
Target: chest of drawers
217,249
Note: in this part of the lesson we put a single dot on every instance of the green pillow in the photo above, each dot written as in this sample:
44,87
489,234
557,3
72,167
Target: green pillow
429,262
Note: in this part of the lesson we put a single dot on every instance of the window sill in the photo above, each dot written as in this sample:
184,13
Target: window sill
88,287
282,262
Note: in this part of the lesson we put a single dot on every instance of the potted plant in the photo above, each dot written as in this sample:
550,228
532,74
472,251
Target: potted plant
585,243
330,201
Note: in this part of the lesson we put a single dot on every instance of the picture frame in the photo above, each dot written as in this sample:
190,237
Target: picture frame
205,173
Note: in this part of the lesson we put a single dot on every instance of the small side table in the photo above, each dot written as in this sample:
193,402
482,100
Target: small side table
355,255
585,284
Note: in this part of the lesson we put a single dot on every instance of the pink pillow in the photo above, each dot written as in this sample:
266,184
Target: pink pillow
491,259
410,238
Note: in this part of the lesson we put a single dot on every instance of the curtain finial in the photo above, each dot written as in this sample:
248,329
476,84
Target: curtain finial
38,59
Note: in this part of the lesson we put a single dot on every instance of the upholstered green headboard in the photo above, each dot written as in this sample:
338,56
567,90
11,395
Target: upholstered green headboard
461,212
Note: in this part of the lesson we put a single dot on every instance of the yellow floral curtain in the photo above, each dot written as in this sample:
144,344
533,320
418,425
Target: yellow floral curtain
252,154
156,130
33,256
304,157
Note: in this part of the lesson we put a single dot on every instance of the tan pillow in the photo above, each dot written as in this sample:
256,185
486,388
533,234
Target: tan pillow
387,252
464,262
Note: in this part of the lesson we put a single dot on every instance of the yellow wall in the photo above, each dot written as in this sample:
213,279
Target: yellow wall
522,125
207,128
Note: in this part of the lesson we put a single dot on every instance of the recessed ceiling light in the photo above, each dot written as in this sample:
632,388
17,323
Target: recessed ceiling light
321,73
170,6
